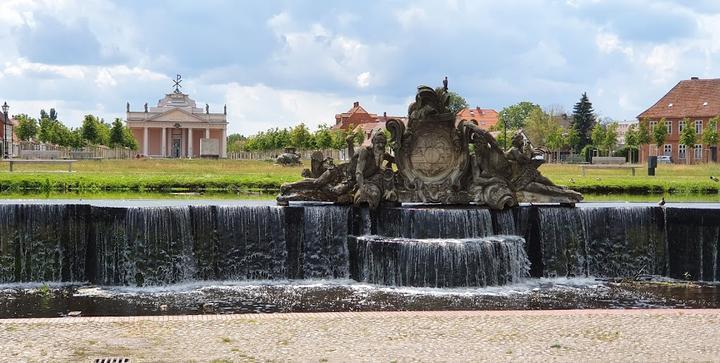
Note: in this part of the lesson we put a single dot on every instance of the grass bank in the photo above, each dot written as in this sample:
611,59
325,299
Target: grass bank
150,175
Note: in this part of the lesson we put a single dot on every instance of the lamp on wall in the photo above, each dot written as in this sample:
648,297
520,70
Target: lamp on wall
6,121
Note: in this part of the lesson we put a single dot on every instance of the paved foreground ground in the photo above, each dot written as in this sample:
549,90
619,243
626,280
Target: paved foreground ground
573,336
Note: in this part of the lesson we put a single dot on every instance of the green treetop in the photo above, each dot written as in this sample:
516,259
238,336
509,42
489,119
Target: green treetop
583,121
710,134
660,133
688,137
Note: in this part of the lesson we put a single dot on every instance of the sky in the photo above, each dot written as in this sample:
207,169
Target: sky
279,63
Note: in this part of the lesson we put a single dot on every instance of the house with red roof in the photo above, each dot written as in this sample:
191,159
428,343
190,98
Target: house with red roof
355,116
483,117
695,99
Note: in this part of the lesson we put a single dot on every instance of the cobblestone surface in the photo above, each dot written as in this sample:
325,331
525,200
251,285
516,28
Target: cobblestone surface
572,336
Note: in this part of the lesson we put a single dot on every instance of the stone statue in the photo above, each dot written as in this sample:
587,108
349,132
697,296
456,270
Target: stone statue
490,170
127,107
207,108
324,181
370,173
437,160
146,109
225,110
528,181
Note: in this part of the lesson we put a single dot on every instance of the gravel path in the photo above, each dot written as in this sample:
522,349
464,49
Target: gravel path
570,336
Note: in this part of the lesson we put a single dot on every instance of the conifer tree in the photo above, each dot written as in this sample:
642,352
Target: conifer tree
583,121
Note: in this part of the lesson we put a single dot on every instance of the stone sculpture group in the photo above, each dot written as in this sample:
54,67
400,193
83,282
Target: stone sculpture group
433,160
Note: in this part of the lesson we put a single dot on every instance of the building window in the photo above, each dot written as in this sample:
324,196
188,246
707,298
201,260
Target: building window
698,127
668,150
681,126
681,151
698,152
652,125
668,126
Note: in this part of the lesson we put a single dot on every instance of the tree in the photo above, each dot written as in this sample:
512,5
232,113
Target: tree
456,103
710,136
583,121
659,133
611,135
597,136
323,137
300,136
688,137
236,142
556,141
27,127
537,127
117,133
91,129
515,115
47,127
129,139
631,140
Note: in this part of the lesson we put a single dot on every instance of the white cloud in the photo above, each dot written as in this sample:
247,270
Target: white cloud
663,61
609,43
363,79
411,16
105,79
22,68
259,107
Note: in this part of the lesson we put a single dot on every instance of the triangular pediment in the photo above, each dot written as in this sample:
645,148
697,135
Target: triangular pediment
177,115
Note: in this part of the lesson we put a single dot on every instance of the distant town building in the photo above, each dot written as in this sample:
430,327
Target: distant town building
357,116
622,129
177,128
695,99
485,118
358,119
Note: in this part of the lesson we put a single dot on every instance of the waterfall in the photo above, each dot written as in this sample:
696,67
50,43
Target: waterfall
474,262
42,242
146,246
162,245
434,222
325,253
251,243
693,238
617,241
504,222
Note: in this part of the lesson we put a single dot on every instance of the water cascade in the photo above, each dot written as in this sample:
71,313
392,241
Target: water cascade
423,246
442,262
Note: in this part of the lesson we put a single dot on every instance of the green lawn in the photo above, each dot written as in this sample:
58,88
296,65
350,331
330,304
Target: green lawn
244,175
149,175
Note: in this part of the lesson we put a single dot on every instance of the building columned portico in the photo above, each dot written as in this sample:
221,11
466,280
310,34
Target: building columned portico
176,128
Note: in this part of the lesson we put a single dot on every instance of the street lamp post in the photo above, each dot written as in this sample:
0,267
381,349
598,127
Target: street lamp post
6,121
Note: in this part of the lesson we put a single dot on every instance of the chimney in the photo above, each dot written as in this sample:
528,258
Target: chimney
356,104
694,78
385,114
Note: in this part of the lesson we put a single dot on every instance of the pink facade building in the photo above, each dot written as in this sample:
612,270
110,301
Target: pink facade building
176,128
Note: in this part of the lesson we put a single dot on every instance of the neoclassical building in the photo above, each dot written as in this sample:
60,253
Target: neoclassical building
177,128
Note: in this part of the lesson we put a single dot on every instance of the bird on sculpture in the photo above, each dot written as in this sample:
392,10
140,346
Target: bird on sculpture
661,202
714,178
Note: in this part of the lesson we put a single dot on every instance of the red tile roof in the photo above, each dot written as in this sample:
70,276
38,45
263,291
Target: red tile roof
689,98
484,117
